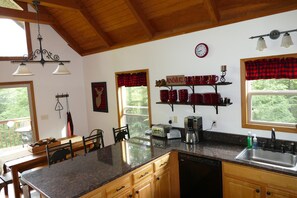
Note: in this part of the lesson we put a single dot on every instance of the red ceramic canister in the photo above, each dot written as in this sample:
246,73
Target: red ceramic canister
172,96
211,98
164,95
183,95
196,98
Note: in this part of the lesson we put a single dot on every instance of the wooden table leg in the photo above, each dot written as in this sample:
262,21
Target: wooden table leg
26,191
16,182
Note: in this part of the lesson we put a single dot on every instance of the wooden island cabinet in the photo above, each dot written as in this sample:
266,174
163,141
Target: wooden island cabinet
247,182
158,178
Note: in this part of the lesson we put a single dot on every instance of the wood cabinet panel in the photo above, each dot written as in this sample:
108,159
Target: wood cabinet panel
243,181
163,184
118,186
275,193
161,163
144,189
98,193
234,188
143,173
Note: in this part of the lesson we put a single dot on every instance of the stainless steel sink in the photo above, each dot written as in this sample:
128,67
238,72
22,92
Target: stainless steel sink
275,159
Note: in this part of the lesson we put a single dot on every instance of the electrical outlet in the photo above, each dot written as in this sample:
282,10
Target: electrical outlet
174,119
214,123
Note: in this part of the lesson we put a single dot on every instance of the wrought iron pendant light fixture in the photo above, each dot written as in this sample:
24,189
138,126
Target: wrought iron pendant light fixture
45,55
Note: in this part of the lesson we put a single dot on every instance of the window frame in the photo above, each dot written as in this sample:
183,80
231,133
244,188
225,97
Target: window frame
245,102
120,108
31,95
28,37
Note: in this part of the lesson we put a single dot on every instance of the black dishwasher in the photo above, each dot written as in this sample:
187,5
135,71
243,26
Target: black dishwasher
199,177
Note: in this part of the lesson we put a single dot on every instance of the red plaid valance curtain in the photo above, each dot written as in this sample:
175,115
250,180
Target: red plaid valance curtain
274,68
132,80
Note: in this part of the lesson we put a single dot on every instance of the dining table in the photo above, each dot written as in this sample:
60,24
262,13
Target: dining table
33,160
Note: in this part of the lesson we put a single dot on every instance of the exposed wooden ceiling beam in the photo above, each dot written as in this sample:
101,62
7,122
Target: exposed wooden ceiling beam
140,18
25,16
94,25
60,30
62,4
212,10
71,42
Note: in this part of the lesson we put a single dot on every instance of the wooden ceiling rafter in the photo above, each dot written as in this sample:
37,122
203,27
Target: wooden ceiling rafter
70,41
64,4
212,10
63,33
94,25
25,16
116,46
138,14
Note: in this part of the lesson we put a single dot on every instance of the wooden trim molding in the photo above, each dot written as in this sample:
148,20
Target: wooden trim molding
119,102
244,104
33,113
28,36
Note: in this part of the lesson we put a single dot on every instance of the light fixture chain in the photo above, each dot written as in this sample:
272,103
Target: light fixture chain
36,3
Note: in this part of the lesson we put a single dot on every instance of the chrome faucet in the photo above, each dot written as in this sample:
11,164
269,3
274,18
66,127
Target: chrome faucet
273,138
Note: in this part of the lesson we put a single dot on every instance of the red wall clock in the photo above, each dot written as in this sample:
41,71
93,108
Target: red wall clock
201,50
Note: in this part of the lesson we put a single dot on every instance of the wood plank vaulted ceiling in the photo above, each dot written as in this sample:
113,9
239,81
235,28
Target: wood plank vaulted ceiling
92,26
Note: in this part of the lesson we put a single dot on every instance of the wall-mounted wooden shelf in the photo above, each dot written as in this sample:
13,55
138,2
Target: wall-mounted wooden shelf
192,86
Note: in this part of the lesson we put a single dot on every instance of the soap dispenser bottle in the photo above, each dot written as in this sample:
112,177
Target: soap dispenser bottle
249,140
255,142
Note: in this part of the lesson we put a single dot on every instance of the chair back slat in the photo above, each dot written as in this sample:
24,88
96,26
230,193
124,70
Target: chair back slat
59,153
121,133
93,142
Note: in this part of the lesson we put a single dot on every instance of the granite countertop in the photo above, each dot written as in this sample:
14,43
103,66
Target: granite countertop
82,174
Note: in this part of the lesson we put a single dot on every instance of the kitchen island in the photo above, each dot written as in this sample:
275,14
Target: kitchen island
83,174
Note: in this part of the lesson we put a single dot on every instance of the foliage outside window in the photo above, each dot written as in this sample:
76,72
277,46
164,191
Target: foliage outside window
17,115
269,103
133,102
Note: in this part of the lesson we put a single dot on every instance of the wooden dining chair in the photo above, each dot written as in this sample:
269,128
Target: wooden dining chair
121,133
5,179
59,153
94,141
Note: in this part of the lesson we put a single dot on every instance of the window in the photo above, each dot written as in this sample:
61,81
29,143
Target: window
14,35
18,125
134,101
269,93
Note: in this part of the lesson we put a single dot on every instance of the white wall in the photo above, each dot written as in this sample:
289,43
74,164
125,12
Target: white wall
46,85
175,56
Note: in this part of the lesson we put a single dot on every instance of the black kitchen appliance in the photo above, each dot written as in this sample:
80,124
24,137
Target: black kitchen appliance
199,177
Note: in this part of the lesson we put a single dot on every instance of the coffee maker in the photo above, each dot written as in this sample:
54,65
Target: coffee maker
193,129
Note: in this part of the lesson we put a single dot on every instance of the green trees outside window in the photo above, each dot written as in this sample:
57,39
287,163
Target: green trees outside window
136,112
14,114
274,101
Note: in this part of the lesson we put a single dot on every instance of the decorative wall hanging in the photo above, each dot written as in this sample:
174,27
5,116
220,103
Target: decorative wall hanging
99,96
59,107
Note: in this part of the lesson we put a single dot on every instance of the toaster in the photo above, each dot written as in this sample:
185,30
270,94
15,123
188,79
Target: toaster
160,130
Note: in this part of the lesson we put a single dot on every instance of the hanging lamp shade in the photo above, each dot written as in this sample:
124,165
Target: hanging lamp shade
287,40
261,44
22,70
61,70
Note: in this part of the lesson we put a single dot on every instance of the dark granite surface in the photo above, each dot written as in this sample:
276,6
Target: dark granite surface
73,178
